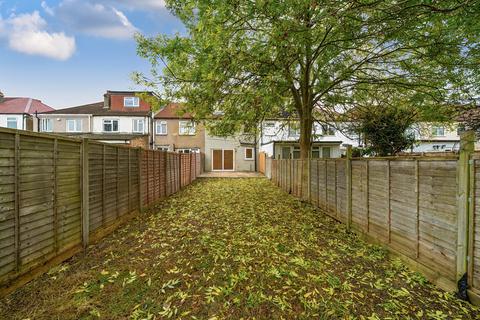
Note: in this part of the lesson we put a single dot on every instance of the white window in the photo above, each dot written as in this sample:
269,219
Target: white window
74,125
438,131
12,123
163,148
269,128
316,152
110,125
131,102
186,128
328,130
46,125
188,150
249,153
138,125
296,153
294,129
326,152
161,127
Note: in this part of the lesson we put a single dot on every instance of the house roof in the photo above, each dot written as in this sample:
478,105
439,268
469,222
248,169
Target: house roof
173,111
97,109
14,105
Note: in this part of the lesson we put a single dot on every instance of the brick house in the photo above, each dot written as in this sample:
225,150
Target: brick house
175,130
121,118
18,112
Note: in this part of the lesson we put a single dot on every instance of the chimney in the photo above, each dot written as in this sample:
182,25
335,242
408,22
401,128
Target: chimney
106,101
2,97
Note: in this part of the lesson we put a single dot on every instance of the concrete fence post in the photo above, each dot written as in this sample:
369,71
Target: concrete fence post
85,194
467,145
348,179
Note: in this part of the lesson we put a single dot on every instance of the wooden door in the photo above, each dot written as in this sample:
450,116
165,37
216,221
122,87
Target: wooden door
217,160
227,159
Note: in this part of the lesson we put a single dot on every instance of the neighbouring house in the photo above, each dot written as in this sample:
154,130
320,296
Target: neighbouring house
436,137
19,113
279,138
121,118
235,153
175,130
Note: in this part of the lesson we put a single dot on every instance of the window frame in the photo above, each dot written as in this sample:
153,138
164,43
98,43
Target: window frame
138,121
294,129
158,124
245,154
43,127
163,148
328,130
11,119
266,130
112,121
135,102
192,129
75,122
435,130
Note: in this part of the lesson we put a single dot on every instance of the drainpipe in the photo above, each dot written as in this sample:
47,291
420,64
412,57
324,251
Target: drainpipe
255,151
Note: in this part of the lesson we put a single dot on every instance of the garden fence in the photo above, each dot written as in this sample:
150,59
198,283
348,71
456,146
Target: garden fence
58,194
426,209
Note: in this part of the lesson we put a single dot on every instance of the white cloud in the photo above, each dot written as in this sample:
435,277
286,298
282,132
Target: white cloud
27,33
48,10
95,19
138,4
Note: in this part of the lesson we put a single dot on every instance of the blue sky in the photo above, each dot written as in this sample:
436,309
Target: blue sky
69,52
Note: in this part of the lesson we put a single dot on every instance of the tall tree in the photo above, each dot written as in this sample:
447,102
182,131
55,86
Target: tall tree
312,57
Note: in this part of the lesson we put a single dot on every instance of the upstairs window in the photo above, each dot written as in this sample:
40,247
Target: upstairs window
12,123
131,102
294,129
110,125
269,128
74,125
46,125
186,128
138,125
161,128
438,131
328,130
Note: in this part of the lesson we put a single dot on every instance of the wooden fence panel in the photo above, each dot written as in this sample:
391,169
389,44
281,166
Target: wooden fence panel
8,211
360,195
331,187
438,212
46,207
410,204
314,182
403,207
96,184
378,199
36,198
341,190
68,202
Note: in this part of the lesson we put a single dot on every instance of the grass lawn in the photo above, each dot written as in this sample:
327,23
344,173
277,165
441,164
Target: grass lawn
233,248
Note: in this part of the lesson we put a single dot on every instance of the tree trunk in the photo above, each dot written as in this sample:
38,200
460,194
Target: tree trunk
306,123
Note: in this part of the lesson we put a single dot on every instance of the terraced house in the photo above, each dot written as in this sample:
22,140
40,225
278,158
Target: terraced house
121,118
19,112
176,130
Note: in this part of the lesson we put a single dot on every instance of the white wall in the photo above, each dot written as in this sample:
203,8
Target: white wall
19,117
241,164
125,123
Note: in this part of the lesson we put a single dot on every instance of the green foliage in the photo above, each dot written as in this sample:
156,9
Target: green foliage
251,59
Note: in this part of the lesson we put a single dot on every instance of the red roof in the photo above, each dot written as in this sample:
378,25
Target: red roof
23,105
173,111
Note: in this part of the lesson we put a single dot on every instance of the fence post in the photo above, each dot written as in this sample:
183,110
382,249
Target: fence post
467,145
85,195
348,179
